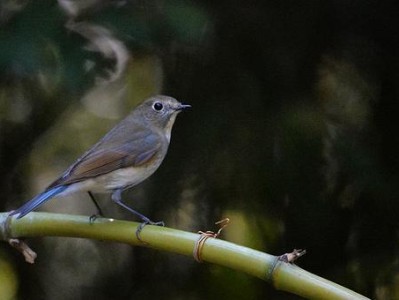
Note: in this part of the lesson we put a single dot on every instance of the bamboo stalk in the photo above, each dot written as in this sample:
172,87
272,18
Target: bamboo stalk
283,276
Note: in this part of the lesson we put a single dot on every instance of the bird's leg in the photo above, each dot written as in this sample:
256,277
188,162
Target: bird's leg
99,211
117,198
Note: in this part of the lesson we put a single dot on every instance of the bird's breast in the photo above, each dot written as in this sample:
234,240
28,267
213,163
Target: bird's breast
126,177
121,178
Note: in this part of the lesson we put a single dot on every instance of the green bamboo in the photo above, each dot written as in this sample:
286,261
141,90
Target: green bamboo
283,276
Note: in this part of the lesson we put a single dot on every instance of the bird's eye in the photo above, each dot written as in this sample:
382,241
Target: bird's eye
157,106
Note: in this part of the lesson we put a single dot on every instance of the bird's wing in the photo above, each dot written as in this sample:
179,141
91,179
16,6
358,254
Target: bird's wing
107,156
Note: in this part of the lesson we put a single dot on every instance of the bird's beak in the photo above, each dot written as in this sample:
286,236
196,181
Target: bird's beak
182,106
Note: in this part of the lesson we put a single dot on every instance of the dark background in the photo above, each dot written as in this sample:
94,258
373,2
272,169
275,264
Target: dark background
292,134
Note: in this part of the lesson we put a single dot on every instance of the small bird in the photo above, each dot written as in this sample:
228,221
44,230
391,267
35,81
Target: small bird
128,154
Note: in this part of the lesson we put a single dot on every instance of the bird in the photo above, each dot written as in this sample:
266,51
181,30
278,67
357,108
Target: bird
127,155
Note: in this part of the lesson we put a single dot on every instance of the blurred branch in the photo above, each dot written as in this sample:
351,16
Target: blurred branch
282,275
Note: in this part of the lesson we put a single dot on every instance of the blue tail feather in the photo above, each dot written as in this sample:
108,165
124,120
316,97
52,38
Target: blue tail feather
38,200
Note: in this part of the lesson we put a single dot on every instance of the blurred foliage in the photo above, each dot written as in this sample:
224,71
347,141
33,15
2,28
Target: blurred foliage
292,135
8,279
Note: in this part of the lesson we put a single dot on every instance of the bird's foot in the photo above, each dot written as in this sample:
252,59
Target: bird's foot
94,217
145,223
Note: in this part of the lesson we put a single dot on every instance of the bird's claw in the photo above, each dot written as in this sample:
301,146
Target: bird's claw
145,223
94,217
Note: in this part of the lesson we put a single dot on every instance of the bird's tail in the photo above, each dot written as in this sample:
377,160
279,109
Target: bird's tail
37,201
